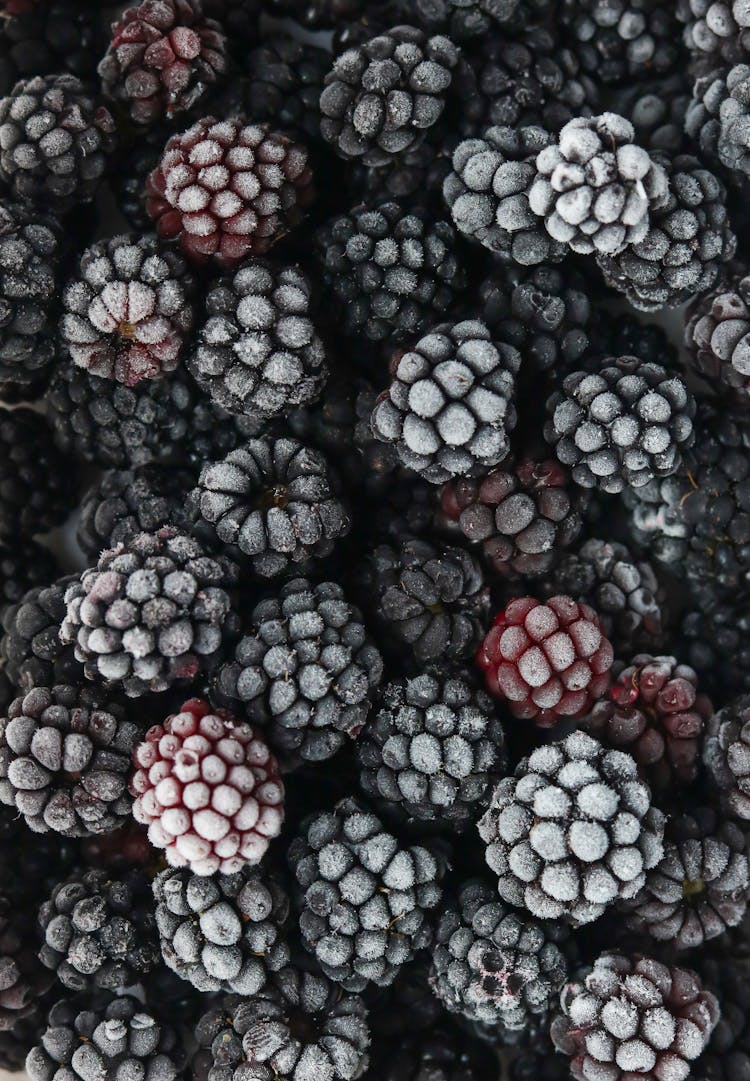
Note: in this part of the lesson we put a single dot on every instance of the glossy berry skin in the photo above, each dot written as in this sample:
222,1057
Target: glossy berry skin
547,660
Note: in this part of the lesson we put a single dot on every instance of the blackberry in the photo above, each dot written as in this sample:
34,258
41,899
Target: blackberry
99,931
226,189
17,1041
36,482
634,1015
301,1026
622,426
523,515
488,194
417,174
699,888
450,407
572,832
24,564
258,351
618,40
127,179
714,642
365,902
727,1057
305,672
30,647
56,141
389,270
596,189
151,613
718,338
225,932
64,760
716,31
623,335
703,118
730,101
433,749
162,58
466,19
206,430
726,754
382,96
657,110
432,599
24,979
239,21
58,35
448,1053
273,500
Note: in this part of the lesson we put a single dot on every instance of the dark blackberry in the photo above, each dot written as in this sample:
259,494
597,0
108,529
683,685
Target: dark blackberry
466,19
727,1057
301,1026
418,174
319,13
726,754
65,756
30,647
573,831
273,501
57,142
24,564
99,931
151,613
619,40
36,481
365,901
17,1041
539,1060
715,641
657,111
131,170
305,672
239,21
623,335
58,35
433,749
389,270
447,1053
717,336
432,599
205,430
24,979
450,408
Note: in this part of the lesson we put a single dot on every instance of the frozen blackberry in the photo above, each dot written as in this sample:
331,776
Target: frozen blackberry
17,1040
523,515
389,270
621,426
726,754
65,755
162,58
730,103
701,885
596,189
24,564
226,189
319,13
466,19
239,22
36,481
491,964
152,612
573,831
432,599
717,336
206,430
488,194
688,241
446,1053
417,174
624,335
225,932
127,179
305,672
657,110
633,1016
703,118
619,40
547,660
30,647
24,979
382,96
300,1027
58,35
715,641
98,931
108,1036
258,351
56,142
727,1057
365,902
450,407
433,749
716,31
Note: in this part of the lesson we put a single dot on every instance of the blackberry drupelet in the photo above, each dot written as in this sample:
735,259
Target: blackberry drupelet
365,902
726,755
30,647
450,407
24,564
258,351
58,35
389,270
225,932
152,612
305,671
572,832
433,750
36,481
715,641
717,336
65,755
619,40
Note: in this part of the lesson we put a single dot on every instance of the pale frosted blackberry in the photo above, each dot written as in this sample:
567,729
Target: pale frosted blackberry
730,98
300,1027
24,564
62,35
125,502
36,481
99,931
573,831
596,189
716,31
715,640
64,760
389,270
618,40
701,885
274,502
657,110
365,902
492,964
717,336
433,749
416,175
622,426
726,754
431,598
488,194
258,351
450,407
688,241
30,647
703,118
382,96
306,671
152,612
56,141
222,932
